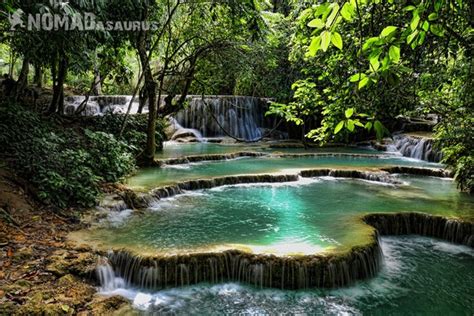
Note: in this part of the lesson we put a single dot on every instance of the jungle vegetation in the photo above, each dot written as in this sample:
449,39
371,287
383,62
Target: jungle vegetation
339,71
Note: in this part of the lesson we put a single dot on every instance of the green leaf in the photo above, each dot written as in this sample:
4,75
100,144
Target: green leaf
368,126
325,40
409,8
358,123
314,46
433,16
339,127
388,30
379,129
394,53
357,77
322,9
363,82
349,112
333,15
369,43
437,30
374,63
336,39
347,11
422,38
414,21
411,37
316,23
350,125
425,26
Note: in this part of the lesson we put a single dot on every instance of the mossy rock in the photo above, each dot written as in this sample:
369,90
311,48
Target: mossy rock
80,264
114,305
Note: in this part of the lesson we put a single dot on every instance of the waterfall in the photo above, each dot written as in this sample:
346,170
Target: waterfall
180,131
107,279
241,116
329,270
300,272
100,105
415,147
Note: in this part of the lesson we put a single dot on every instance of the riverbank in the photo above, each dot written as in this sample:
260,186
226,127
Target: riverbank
41,272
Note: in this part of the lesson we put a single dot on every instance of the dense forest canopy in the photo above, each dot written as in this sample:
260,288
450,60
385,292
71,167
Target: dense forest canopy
339,71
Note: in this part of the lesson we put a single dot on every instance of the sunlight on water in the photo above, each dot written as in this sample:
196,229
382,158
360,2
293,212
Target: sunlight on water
307,216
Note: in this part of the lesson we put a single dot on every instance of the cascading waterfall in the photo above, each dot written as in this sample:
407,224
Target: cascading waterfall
180,131
100,105
415,147
241,116
106,276
145,200
123,268
325,271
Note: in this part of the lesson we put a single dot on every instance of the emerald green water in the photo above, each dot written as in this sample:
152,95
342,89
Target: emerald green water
149,178
303,217
173,150
420,276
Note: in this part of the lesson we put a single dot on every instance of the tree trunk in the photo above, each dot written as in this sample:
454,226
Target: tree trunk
22,82
142,98
148,156
38,79
57,103
97,89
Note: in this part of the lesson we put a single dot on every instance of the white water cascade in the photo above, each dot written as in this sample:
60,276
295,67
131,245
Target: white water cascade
99,105
240,116
216,116
415,147
106,276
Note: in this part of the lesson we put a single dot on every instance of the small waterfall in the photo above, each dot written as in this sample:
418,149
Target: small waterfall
124,269
107,279
452,230
100,105
241,116
324,271
415,147
181,132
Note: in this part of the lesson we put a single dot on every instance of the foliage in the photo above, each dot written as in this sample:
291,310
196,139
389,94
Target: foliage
65,166
135,131
109,158
367,56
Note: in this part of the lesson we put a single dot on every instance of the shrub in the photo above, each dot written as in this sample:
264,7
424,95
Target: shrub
135,130
110,159
66,166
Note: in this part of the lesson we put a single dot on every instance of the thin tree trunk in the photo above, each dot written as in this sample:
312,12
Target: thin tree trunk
57,103
22,82
97,87
38,79
148,156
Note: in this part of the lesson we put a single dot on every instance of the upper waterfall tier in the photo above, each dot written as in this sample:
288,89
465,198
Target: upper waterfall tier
415,146
241,117
238,116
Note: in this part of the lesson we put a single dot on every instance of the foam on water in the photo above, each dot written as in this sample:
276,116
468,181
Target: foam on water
405,285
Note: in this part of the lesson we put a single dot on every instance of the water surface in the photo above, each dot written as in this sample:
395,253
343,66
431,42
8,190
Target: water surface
149,178
307,217
421,276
